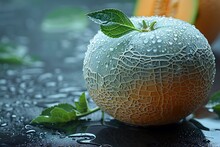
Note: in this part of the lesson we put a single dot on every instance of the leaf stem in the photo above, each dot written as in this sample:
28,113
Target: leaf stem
103,117
89,112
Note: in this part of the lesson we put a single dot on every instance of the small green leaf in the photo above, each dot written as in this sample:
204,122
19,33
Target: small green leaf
114,23
64,113
216,109
82,105
215,98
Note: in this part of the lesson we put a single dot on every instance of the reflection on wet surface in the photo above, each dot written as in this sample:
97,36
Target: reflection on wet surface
182,134
57,77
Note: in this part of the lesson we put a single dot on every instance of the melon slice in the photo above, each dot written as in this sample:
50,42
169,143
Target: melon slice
186,10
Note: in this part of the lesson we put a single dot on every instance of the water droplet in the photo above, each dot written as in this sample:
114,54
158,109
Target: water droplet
26,105
22,85
153,41
57,96
38,96
11,72
111,49
45,76
175,38
3,81
83,137
149,49
180,43
30,131
51,84
157,37
25,77
154,50
4,124
159,40
146,40
106,65
175,35
152,36
69,89
12,89
170,43
159,46
60,78
197,36
32,71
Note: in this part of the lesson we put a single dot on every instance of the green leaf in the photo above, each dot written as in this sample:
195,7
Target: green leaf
216,109
64,113
114,23
215,98
82,105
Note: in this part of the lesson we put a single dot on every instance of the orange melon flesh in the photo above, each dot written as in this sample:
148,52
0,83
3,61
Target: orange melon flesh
182,9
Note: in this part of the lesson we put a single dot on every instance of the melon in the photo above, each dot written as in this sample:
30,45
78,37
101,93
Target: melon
150,78
204,14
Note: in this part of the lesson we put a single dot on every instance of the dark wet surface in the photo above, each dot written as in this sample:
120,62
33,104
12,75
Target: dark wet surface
57,77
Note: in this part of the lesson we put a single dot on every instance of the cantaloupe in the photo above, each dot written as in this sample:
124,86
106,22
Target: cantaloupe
150,78
204,14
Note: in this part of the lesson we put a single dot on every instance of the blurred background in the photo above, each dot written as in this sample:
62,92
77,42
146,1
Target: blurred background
42,46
